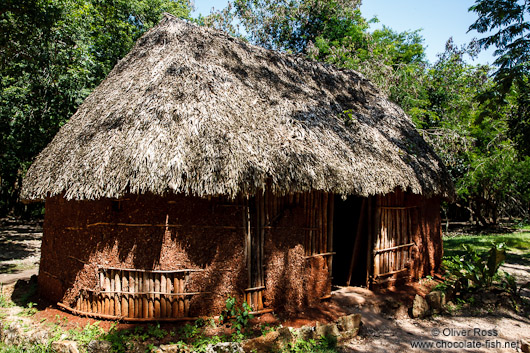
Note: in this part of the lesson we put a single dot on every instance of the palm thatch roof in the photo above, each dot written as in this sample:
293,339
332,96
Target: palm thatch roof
193,110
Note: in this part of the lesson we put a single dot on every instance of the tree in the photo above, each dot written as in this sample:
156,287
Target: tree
290,25
52,54
509,18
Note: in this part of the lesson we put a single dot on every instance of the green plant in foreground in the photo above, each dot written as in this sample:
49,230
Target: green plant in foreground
326,344
239,318
5,303
473,270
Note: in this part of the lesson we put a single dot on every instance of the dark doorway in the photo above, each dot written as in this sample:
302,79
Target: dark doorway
345,222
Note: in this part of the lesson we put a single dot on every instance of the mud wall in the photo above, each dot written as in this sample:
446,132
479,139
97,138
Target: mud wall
427,234
171,233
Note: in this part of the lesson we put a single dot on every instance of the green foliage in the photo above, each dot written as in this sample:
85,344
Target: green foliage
293,25
322,345
509,284
519,116
472,270
30,309
238,317
509,20
517,245
52,54
82,337
5,302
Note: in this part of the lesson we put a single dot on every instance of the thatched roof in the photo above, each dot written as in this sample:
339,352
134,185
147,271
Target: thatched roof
193,110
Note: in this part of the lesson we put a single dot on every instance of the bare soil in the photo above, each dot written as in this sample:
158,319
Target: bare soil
19,250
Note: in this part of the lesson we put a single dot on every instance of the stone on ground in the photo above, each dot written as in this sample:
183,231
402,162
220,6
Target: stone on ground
420,307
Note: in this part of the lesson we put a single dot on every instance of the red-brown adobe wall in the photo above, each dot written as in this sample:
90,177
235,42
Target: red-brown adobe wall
427,234
79,235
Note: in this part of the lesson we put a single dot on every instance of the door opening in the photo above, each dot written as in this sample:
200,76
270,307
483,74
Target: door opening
347,214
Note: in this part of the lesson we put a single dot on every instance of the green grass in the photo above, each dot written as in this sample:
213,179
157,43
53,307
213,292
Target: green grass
517,244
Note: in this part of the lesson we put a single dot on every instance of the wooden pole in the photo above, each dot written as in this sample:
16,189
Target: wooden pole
176,289
357,244
248,242
163,288
181,298
125,299
156,304
262,242
377,234
117,295
145,288
319,222
312,223
107,289
307,243
139,304
331,215
151,301
132,288
168,302
325,222
101,300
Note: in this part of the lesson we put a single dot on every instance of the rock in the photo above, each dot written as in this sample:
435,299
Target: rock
436,300
326,330
39,337
64,347
99,347
137,347
12,334
420,307
349,326
401,313
225,347
285,337
173,348
306,333
262,344
525,346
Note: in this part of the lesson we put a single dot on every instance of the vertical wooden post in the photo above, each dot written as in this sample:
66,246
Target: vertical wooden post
176,288
163,286
307,210
125,297
139,302
331,215
156,304
312,222
248,241
145,289
377,233
112,306
168,301
132,284
151,301
262,241
117,295
181,297
325,247
319,223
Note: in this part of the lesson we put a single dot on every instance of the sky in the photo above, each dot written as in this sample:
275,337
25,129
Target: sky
438,19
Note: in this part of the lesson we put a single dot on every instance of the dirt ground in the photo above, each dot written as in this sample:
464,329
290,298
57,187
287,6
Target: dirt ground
387,329
19,250
387,326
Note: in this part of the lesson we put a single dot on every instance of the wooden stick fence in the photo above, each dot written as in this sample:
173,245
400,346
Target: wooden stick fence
393,244
138,294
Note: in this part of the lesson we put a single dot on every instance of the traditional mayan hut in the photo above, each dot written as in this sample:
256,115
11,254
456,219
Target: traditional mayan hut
204,167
